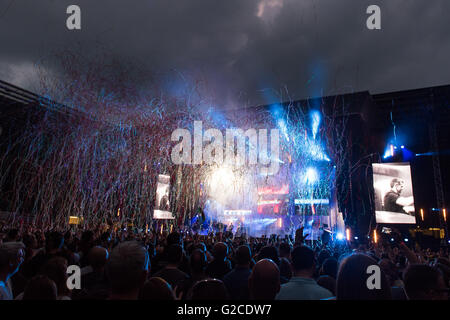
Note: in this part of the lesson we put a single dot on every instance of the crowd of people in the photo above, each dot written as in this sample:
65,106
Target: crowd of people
181,265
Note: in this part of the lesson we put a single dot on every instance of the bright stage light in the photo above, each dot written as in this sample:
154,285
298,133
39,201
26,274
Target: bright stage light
311,175
340,236
267,202
315,116
316,151
221,180
222,174
237,212
347,234
356,238
312,201
406,240
223,184
389,152
283,128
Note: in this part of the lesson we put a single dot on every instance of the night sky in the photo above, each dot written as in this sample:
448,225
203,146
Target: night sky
246,51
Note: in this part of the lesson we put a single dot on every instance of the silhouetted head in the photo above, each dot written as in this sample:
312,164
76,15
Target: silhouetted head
322,256
156,289
264,281
174,238
210,289
87,238
30,241
285,250
330,267
40,287
53,241
127,267
303,260
220,251
56,270
269,252
174,254
98,257
353,279
423,282
285,268
243,255
198,261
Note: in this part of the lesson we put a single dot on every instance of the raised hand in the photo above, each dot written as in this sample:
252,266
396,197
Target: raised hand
299,237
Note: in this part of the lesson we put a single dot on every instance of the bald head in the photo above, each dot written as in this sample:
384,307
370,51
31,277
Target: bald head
264,281
98,257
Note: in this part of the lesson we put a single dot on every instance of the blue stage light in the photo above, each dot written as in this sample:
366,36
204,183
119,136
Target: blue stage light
311,175
340,236
407,154
315,116
356,238
283,128
316,151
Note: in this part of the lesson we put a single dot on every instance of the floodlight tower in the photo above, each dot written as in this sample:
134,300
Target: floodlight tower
435,154
432,124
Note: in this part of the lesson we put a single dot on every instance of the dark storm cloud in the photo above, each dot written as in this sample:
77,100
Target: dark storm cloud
245,50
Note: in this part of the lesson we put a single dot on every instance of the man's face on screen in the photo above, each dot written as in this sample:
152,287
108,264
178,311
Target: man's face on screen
399,187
